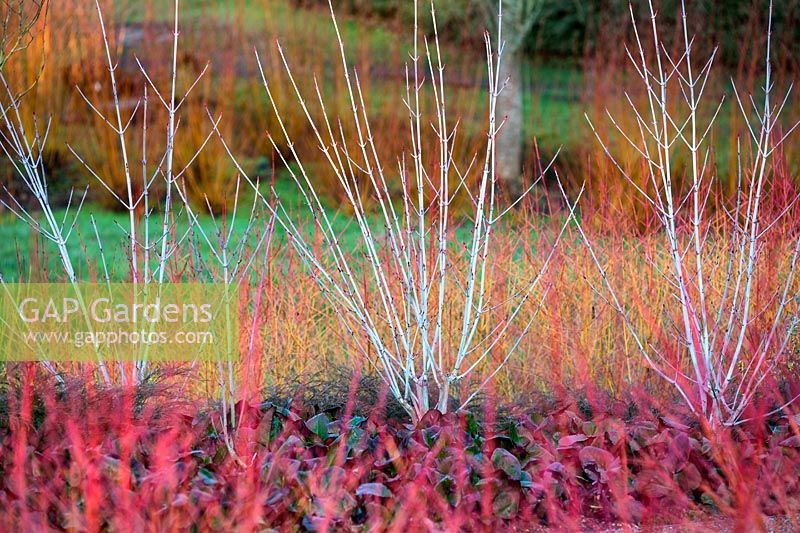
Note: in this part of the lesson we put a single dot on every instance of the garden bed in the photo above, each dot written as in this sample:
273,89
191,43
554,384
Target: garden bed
580,465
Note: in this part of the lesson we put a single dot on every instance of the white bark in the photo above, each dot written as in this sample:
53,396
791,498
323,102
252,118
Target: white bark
723,373
415,270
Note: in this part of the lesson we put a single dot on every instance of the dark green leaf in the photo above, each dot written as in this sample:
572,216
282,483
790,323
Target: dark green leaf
319,425
207,476
506,503
505,461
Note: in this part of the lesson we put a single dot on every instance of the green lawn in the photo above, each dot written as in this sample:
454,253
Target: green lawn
18,241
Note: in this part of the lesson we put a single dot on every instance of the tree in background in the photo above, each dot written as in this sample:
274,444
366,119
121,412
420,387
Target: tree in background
517,19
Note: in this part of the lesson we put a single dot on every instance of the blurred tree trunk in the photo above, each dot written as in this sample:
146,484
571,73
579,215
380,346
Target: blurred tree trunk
518,19
509,110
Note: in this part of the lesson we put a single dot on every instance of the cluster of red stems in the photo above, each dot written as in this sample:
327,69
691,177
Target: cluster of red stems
140,463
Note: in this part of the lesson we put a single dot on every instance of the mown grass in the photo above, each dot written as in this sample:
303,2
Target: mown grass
96,226
20,252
